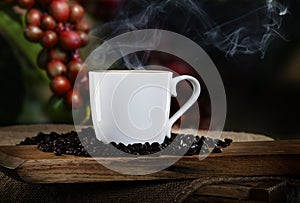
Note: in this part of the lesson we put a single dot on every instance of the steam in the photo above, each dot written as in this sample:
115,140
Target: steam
250,36
248,33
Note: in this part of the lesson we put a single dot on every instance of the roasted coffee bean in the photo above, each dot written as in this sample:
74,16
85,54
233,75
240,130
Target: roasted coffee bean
137,146
147,145
192,150
27,141
57,152
217,150
69,152
189,138
228,141
113,144
222,144
85,141
204,150
200,142
155,145
163,145
210,142
167,140
196,139
121,146
126,150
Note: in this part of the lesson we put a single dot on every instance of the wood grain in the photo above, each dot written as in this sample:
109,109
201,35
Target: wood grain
240,159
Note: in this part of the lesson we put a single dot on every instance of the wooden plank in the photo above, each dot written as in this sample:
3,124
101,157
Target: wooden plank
269,191
240,159
225,190
265,191
205,199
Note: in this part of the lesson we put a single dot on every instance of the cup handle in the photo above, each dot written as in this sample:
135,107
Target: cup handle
190,101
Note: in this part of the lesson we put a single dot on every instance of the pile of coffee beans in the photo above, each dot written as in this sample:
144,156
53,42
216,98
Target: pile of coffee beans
85,143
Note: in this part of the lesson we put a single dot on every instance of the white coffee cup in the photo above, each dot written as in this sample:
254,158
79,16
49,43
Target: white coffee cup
133,106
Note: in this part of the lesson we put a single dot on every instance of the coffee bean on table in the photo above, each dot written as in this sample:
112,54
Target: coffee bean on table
57,152
228,141
217,150
222,144
69,143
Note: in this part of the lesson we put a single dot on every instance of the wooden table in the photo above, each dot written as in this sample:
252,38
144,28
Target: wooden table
248,158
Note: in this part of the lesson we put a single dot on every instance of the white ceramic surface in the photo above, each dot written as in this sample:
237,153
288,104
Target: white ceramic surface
132,106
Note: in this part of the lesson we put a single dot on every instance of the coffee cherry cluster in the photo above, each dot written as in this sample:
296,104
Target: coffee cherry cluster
59,27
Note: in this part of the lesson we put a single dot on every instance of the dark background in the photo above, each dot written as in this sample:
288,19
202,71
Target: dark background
263,94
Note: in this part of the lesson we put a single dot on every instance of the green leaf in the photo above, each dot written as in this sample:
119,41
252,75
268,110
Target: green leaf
14,31
36,82
11,27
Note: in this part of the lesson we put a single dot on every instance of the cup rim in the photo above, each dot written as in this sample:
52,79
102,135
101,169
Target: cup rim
129,71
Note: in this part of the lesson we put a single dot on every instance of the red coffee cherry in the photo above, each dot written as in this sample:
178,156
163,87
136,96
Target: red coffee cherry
26,3
60,85
57,53
73,99
69,40
83,26
56,68
59,9
76,13
49,39
74,67
48,22
33,33
84,38
33,17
